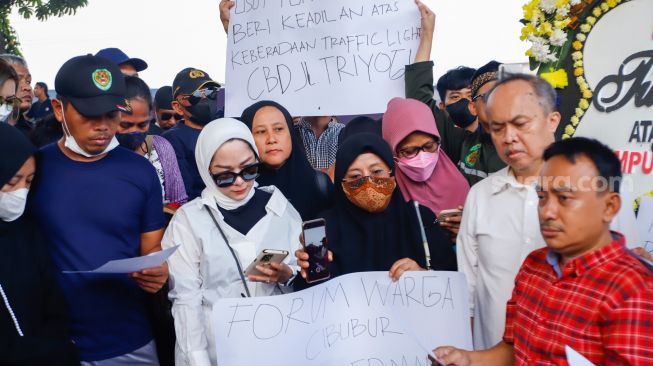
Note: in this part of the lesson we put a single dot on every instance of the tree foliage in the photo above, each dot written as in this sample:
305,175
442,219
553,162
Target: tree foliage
39,9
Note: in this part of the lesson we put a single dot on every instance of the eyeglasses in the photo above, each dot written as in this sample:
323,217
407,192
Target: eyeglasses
166,116
377,176
141,125
411,152
208,93
226,179
10,100
479,96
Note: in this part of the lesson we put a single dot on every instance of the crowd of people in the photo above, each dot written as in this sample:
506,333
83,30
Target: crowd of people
472,180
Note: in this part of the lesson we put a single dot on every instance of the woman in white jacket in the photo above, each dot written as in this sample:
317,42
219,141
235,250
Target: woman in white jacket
220,233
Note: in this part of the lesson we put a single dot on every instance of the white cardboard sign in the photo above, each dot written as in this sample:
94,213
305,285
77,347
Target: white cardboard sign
359,319
319,57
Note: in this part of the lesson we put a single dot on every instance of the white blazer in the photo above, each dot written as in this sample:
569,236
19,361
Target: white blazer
203,269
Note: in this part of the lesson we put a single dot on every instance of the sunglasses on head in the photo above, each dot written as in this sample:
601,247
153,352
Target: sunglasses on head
10,100
166,116
226,179
198,95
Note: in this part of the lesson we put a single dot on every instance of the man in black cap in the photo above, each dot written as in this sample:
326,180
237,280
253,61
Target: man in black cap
166,117
195,99
130,66
95,202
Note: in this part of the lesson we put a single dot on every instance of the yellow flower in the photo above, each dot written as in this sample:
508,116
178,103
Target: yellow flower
578,63
587,94
611,3
581,37
579,113
577,45
569,130
574,121
579,71
529,9
597,11
605,7
585,28
577,56
529,52
565,136
584,104
558,78
561,24
546,28
526,31
561,3
590,20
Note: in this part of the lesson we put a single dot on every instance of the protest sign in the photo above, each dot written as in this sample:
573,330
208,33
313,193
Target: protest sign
359,319
610,97
319,57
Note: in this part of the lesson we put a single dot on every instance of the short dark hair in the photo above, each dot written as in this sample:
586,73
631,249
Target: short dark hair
546,95
454,79
604,159
138,89
7,72
43,85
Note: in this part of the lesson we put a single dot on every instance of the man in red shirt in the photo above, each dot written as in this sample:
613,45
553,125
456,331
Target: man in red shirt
585,290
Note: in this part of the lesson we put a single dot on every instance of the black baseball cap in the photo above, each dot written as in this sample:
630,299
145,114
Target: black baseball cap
163,98
116,55
191,79
94,85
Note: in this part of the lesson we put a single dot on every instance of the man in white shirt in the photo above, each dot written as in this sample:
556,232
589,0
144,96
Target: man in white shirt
500,227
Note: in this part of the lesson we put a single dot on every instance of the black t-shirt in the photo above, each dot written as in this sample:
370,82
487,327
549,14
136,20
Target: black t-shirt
40,109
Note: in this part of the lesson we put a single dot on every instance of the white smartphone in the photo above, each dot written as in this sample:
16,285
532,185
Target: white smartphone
264,259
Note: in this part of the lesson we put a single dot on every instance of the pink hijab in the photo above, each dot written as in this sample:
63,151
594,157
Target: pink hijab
446,188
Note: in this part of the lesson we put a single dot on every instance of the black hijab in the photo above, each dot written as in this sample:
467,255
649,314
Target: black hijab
363,241
360,124
15,149
28,280
307,189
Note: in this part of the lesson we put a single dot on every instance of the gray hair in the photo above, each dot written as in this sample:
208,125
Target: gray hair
13,59
546,95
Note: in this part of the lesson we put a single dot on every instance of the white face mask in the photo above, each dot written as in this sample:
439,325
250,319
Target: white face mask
12,204
5,112
71,143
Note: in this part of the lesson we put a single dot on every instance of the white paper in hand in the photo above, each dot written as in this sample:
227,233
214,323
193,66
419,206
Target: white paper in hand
135,264
576,359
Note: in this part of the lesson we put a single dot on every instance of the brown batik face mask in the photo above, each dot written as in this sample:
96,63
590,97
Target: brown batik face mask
370,194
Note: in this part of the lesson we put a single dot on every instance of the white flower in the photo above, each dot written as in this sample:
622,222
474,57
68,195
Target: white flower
541,51
575,2
558,38
548,6
564,11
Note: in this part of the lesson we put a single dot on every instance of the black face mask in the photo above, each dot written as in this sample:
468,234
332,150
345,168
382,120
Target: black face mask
131,140
460,114
205,111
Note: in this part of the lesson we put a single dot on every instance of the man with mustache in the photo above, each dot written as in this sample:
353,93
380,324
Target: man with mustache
95,202
24,93
585,290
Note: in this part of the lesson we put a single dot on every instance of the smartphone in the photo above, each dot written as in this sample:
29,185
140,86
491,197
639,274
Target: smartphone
444,214
264,259
315,244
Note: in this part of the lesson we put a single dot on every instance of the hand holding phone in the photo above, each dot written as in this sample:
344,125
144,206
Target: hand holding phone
268,261
315,247
445,214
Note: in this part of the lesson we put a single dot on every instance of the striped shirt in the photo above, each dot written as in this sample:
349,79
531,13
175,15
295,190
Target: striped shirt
321,152
600,304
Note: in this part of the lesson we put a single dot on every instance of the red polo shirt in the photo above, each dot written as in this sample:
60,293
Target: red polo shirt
600,304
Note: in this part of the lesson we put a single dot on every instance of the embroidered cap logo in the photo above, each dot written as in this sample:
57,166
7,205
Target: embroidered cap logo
102,79
194,74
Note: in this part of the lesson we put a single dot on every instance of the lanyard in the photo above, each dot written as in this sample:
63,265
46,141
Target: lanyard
11,311
425,242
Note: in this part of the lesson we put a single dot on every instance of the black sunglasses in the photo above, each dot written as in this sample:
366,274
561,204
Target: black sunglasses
198,95
226,179
166,116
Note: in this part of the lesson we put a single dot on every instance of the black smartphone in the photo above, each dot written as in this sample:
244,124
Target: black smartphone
315,244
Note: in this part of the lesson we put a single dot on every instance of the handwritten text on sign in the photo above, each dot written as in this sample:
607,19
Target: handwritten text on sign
360,319
319,57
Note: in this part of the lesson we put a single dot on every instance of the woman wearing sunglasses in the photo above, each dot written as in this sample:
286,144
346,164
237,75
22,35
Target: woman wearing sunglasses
220,233
371,227
132,134
8,85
